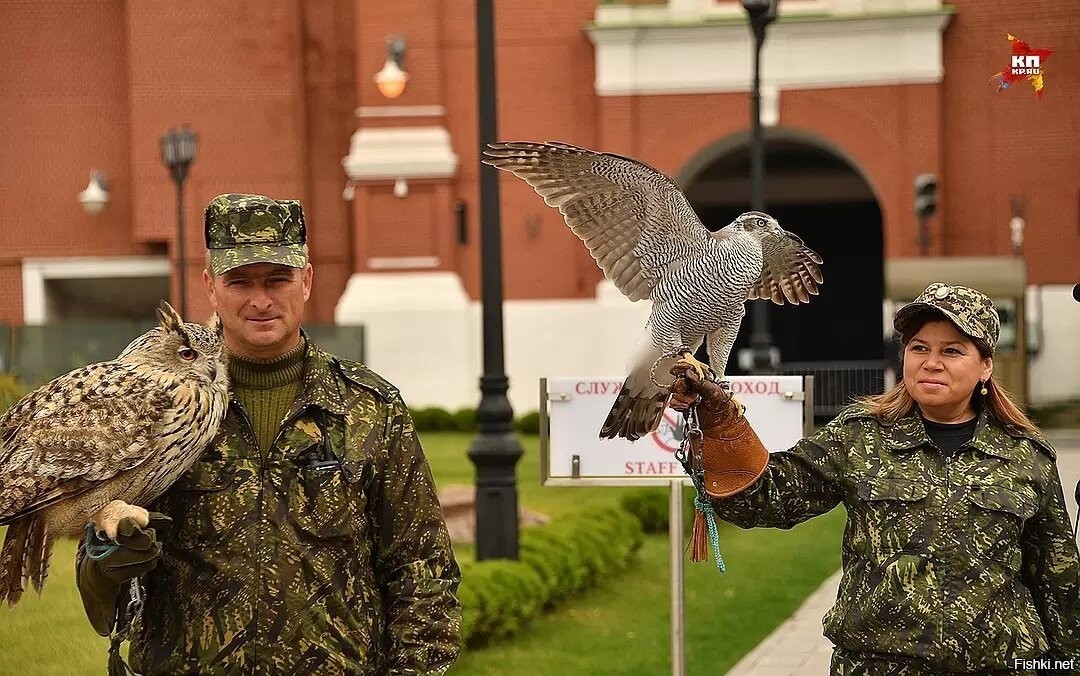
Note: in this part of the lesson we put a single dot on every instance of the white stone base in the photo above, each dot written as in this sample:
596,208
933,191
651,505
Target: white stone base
1054,373
424,335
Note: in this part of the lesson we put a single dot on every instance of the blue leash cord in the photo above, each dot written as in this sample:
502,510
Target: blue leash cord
701,500
705,507
96,548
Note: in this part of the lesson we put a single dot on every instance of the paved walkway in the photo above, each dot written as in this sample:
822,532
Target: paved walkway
797,647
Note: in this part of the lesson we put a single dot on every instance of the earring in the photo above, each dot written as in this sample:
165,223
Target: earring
983,390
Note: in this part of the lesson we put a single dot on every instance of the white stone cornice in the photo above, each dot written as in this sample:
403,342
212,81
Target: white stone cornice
387,153
676,55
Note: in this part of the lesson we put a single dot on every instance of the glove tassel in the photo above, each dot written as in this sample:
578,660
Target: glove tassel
699,543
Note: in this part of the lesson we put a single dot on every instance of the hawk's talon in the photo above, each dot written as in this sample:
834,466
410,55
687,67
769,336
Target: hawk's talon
701,367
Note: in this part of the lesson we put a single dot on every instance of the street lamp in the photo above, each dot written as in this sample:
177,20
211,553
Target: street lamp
496,449
178,152
765,355
96,196
392,78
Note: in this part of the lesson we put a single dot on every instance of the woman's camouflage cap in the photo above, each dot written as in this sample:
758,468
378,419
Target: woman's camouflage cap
245,229
972,311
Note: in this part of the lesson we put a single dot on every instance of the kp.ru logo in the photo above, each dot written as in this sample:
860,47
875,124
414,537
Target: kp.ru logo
1026,64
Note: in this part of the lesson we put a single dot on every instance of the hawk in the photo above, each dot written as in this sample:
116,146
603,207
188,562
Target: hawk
85,445
645,236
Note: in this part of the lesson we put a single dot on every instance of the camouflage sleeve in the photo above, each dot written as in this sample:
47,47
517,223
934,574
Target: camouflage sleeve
799,483
415,563
1051,570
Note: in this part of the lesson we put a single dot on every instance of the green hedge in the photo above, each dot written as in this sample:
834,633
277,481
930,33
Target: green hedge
438,419
11,390
650,506
555,562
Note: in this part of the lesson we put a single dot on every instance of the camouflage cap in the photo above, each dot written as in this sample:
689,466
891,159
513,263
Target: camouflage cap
971,311
245,229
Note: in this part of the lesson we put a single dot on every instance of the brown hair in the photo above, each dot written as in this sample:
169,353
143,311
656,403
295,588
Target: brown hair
896,403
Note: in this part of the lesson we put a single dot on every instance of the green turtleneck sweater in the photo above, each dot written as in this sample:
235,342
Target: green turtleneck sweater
266,389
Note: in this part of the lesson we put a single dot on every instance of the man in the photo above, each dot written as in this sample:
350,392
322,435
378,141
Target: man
308,537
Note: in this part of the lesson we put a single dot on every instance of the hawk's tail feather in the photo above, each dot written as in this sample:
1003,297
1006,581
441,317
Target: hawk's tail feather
634,416
13,560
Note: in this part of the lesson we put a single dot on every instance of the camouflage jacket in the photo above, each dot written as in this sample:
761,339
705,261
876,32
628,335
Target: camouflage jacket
961,561
326,555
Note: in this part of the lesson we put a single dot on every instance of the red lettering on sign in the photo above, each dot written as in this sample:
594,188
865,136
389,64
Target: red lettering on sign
642,468
603,388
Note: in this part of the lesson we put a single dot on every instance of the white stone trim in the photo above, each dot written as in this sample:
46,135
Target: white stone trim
388,153
802,52
400,111
35,271
402,262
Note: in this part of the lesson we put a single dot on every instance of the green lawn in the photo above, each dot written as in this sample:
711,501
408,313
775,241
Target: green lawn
621,627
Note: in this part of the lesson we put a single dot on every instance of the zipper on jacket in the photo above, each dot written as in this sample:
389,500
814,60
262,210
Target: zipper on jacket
944,575
249,433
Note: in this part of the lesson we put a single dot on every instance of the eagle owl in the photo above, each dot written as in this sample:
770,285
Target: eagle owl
85,445
643,233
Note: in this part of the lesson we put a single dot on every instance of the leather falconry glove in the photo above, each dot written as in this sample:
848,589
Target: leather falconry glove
105,566
730,454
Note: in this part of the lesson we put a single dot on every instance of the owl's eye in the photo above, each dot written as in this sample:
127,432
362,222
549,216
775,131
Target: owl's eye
187,354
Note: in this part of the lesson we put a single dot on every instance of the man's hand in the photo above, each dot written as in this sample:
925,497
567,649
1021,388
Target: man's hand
134,551
105,565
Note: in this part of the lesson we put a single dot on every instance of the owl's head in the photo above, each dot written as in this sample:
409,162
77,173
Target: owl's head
188,350
759,223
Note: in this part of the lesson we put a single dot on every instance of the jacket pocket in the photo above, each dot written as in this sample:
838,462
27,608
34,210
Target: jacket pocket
892,488
207,503
327,500
996,517
1019,502
889,516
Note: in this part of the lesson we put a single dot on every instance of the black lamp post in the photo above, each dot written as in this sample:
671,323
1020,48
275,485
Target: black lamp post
761,13
178,152
496,449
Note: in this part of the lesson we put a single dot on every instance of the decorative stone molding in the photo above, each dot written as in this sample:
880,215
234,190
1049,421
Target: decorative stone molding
388,153
658,50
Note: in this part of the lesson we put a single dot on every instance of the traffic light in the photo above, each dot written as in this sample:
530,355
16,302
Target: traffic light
925,195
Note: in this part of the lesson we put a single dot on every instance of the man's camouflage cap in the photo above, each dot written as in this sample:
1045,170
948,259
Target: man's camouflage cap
972,312
244,229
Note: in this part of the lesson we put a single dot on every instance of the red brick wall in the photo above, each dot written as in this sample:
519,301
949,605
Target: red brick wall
271,87
63,105
1010,142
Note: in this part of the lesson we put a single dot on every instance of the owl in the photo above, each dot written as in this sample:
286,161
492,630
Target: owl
97,442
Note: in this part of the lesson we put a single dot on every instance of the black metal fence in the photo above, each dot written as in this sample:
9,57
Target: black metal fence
37,354
839,383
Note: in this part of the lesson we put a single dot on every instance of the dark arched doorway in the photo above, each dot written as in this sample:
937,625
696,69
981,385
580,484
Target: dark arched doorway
819,195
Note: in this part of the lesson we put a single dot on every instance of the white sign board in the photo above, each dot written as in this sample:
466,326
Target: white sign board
574,409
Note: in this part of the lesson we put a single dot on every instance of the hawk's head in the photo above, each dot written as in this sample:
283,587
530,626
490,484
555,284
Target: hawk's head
758,222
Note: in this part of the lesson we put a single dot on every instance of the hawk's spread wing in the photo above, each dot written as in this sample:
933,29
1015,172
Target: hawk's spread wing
789,271
76,431
634,219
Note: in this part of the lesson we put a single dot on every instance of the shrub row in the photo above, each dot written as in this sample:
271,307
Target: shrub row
437,419
556,561
651,507
11,390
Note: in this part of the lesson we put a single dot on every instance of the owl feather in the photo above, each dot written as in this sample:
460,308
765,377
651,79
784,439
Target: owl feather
116,430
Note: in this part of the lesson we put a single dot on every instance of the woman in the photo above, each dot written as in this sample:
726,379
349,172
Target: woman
958,556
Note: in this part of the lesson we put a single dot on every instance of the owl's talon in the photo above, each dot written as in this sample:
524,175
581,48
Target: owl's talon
108,517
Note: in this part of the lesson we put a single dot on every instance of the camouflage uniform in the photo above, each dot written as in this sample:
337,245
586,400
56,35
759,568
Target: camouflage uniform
326,554
952,562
